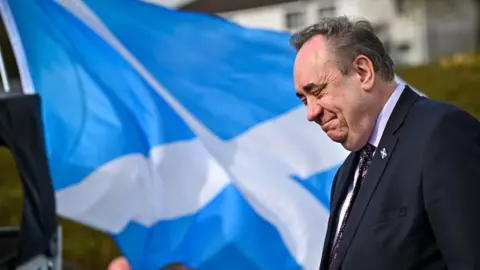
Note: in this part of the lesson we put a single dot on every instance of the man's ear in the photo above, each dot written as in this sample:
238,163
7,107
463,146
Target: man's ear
366,73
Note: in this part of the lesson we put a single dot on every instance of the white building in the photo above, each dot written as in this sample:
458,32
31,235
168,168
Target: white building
414,31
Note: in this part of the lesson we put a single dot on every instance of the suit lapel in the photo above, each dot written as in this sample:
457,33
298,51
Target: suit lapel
340,191
343,182
375,172
372,179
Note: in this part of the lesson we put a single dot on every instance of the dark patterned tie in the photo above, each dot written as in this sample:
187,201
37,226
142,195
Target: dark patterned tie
366,154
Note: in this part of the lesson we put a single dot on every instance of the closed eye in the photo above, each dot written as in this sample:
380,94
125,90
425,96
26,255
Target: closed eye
314,88
302,98
318,90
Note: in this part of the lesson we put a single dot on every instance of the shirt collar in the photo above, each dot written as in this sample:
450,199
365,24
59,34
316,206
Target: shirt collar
385,115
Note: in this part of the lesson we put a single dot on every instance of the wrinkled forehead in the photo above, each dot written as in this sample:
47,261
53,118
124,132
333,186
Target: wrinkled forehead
312,63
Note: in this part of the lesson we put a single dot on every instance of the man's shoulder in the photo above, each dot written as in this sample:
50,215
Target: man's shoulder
434,112
432,115
431,108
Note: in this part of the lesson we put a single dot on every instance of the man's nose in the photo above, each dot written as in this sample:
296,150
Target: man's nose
313,111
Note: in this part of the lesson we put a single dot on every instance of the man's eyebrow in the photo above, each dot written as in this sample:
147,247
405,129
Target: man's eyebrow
311,86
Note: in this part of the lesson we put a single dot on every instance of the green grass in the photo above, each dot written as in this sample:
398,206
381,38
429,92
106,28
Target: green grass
94,250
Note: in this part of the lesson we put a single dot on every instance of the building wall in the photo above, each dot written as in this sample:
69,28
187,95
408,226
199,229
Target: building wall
452,26
416,36
264,17
275,16
409,34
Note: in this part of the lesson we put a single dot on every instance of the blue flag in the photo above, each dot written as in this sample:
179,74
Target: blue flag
178,133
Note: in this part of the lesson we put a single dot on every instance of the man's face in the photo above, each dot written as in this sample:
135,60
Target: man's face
334,101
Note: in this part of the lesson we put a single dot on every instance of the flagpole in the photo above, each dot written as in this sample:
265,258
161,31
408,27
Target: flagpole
17,46
3,73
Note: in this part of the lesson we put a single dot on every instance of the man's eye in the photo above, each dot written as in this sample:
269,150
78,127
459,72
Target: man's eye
317,92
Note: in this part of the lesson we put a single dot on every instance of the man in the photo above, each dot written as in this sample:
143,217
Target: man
418,206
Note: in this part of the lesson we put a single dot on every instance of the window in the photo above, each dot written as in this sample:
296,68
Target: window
403,47
326,12
294,20
400,6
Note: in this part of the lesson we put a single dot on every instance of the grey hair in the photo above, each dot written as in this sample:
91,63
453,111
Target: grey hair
349,39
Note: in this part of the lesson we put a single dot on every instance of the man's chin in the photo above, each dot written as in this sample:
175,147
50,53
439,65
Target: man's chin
336,138
351,146
341,140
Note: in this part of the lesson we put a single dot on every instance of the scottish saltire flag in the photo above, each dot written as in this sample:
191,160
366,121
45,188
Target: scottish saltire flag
177,133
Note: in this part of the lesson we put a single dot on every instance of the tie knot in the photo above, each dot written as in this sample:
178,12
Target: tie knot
366,152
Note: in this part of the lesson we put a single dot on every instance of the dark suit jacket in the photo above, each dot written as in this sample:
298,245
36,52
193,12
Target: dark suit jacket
419,207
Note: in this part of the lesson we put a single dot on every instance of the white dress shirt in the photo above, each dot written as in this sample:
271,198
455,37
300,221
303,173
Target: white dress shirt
373,140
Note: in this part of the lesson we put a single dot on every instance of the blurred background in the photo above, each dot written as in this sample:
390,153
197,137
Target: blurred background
433,42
